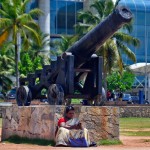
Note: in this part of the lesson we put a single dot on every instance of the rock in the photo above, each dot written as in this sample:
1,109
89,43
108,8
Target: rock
41,121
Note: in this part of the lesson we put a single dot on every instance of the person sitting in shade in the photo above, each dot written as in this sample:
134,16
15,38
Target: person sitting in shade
70,131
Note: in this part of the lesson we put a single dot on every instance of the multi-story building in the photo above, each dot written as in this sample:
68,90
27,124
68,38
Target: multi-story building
141,28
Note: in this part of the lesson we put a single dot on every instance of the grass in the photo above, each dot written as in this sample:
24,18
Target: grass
135,124
0,122
21,140
1,100
135,133
75,101
109,142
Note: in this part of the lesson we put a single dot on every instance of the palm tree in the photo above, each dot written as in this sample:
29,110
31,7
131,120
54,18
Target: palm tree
16,23
58,47
7,64
66,42
115,46
35,49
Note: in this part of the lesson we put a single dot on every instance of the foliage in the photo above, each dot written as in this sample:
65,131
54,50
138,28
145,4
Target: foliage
135,126
28,65
134,123
116,81
39,50
115,46
16,23
136,133
7,65
65,43
109,142
22,140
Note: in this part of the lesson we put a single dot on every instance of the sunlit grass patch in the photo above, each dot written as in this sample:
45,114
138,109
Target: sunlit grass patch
134,123
109,142
135,126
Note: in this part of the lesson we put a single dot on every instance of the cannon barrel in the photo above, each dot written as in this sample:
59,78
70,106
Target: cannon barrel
88,44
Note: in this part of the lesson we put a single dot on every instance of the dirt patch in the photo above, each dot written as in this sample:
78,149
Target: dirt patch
136,130
135,140
129,142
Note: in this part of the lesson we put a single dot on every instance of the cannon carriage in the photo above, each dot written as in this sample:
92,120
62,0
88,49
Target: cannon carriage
77,73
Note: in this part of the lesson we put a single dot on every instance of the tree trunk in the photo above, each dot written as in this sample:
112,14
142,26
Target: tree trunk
17,57
16,66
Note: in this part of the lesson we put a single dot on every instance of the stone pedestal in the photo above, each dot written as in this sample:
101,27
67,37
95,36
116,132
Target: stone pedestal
41,121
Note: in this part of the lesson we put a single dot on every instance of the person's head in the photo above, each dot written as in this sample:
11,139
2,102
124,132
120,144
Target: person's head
69,112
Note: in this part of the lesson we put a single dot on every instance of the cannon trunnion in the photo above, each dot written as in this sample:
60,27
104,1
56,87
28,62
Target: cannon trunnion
78,72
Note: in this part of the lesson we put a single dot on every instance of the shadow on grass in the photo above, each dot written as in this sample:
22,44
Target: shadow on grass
21,140
109,142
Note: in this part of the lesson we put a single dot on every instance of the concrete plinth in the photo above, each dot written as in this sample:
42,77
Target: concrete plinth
40,121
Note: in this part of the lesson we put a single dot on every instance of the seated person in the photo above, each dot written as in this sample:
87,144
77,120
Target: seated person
70,128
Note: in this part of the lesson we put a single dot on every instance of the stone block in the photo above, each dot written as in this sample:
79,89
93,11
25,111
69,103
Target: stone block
41,121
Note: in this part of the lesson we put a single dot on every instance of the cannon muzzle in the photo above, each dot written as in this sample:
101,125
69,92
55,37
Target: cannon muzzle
88,44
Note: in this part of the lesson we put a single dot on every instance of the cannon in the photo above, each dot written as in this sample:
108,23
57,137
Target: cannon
77,73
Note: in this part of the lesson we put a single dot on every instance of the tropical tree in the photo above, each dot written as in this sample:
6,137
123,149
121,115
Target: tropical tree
29,65
117,44
120,83
15,24
36,49
7,64
63,44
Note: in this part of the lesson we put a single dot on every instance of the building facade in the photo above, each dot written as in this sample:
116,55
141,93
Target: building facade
61,16
141,28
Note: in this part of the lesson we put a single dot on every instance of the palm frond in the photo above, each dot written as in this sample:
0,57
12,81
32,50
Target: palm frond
126,38
35,12
24,18
24,4
5,22
3,14
99,7
126,51
128,26
109,6
33,25
33,34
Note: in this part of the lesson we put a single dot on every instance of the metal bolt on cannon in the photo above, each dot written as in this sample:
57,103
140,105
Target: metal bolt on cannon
79,63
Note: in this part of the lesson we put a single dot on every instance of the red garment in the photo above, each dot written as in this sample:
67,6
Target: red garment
61,120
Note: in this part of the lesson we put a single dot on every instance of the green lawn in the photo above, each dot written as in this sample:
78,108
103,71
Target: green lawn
109,142
75,101
135,126
1,100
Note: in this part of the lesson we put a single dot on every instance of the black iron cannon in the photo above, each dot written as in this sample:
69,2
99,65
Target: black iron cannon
77,73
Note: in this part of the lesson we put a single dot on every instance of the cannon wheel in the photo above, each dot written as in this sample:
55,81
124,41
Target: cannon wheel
55,94
23,96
